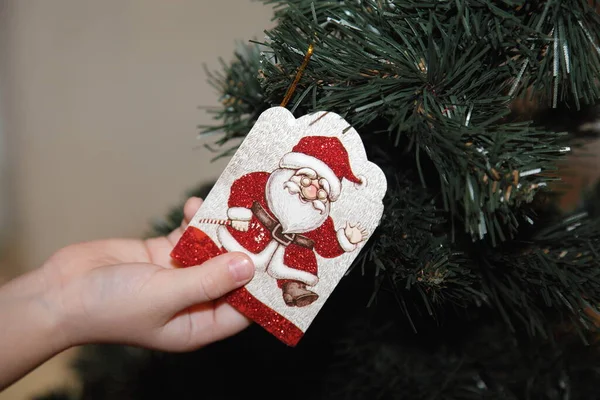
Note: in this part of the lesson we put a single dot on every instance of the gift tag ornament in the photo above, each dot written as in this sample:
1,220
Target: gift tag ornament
301,199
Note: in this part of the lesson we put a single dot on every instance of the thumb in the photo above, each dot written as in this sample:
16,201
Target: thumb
186,287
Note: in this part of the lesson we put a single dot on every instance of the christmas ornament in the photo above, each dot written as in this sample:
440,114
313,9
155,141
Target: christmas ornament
301,199
290,198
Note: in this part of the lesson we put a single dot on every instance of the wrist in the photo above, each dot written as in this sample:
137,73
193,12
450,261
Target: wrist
33,297
344,242
30,328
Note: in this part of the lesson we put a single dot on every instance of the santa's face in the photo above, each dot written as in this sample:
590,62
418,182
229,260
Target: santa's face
298,199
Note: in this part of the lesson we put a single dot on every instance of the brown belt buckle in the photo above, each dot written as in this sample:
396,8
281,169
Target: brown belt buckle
282,238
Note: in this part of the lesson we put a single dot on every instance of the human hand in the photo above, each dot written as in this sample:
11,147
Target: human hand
131,292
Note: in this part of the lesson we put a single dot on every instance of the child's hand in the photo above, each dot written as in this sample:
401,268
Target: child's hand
129,291
118,291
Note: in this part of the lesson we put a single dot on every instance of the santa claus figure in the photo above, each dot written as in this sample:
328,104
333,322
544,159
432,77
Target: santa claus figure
281,219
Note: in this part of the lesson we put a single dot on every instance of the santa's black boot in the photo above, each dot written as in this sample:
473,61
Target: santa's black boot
296,294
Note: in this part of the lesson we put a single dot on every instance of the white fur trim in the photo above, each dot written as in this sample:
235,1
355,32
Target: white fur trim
239,214
260,260
344,242
307,171
278,270
301,160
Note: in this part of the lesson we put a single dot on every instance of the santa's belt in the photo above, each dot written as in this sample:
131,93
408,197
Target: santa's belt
277,231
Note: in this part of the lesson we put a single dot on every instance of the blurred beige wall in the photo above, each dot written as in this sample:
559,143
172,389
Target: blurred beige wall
100,108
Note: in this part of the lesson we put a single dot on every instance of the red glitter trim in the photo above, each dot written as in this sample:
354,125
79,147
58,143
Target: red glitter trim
195,248
271,321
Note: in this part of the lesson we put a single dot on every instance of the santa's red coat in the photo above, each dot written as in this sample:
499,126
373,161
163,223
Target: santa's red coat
252,187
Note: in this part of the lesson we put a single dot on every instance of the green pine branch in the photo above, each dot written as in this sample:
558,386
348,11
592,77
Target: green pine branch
242,100
444,94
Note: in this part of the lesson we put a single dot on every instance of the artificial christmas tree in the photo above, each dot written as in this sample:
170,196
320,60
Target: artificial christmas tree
476,284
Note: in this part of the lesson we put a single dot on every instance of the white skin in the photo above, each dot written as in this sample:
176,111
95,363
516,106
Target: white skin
312,189
118,291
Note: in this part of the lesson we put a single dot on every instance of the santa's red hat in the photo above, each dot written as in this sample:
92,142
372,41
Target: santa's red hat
327,156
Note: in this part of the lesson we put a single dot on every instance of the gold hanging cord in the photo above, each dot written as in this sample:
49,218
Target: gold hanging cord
292,88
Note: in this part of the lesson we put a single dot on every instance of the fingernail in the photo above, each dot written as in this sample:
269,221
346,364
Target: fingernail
241,268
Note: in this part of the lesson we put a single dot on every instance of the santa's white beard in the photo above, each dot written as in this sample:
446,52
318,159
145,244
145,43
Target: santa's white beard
293,213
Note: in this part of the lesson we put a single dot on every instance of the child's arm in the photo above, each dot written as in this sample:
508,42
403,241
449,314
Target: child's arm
29,328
